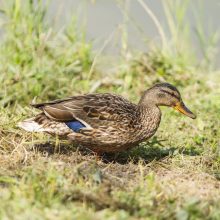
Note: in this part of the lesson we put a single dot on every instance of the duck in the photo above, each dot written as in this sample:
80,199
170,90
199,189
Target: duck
105,122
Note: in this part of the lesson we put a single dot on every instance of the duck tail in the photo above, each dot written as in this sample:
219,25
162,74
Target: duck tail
31,125
41,123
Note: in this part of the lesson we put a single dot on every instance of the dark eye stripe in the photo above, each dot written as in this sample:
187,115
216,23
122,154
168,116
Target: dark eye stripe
171,94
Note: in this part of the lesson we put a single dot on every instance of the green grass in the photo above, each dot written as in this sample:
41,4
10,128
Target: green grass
173,176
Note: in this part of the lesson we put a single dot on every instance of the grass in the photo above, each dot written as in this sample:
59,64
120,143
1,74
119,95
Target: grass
173,176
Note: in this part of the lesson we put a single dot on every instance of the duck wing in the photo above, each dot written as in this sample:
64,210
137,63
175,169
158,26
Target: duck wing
93,110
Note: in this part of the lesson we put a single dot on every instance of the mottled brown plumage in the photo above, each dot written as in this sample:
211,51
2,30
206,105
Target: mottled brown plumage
111,123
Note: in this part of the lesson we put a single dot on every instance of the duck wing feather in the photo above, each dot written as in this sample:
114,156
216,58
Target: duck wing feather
93,110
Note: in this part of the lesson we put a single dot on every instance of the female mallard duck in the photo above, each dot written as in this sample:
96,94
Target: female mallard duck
106,122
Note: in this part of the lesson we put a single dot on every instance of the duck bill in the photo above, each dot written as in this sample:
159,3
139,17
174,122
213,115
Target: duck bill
184,110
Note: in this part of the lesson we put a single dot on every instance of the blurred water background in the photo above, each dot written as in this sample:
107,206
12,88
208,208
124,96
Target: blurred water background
103,19
113,25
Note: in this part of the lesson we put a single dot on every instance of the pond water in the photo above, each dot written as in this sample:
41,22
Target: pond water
103,19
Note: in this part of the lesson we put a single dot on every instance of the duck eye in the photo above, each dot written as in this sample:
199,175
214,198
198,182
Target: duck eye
161,95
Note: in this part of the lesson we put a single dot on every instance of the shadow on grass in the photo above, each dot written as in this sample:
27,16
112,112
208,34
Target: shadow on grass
147,152
50,148
152,150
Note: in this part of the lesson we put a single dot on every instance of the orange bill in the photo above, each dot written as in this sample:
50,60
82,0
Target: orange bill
180,106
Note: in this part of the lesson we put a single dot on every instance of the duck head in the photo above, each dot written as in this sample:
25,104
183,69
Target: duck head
165,94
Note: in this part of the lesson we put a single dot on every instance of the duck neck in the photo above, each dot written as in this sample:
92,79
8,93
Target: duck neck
149,115
149,110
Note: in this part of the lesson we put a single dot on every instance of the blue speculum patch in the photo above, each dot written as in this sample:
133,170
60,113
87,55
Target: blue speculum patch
75,125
